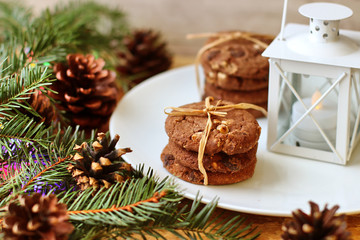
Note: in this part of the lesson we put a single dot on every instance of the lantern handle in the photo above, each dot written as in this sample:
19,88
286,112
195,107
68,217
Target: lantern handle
283,21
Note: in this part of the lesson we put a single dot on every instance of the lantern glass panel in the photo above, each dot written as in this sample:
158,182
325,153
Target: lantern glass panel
297,129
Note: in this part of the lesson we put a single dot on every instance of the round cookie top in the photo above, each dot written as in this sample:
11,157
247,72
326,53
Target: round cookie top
237,132
237,57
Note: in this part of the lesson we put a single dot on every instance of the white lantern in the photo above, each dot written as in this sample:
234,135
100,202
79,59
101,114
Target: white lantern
314,100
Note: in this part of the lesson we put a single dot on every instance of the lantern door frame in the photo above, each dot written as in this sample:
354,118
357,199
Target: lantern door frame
341,152
283,59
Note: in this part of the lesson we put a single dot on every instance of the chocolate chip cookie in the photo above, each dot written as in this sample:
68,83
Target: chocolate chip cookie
214,178
236,132
254,97
227,82
238,57
219,162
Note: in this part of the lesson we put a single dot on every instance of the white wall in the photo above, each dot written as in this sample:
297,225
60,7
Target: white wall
176,18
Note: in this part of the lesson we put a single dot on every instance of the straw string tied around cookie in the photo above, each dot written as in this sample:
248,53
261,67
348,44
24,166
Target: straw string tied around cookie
208,111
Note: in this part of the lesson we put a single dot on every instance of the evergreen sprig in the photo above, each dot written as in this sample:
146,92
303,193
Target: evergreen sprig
17,117
13,17
79,26
143,206
18,87
100,26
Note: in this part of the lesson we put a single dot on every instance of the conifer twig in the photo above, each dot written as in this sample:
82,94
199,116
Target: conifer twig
60,160
155,199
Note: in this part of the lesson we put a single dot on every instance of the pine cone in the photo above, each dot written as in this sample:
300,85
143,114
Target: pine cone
145,55
318,225
87,93
43,106
37,217
102,166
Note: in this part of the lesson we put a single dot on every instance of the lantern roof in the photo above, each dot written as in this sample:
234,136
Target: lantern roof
295,35
325,11
321,42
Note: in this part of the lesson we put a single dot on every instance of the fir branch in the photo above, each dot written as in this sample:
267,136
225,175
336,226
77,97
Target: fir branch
47,168
139,210
24,132
171,221
154,199
11,189
16,115
37,163
196,223
65,139
125,194
14,90
15,56
79,26
8,184
13,17
104,24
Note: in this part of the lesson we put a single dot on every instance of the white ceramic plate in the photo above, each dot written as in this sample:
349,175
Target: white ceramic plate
280,184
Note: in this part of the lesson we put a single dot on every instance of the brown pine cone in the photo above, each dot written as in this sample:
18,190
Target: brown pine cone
42,105
101,166
86,92
145,55
37,218
318,225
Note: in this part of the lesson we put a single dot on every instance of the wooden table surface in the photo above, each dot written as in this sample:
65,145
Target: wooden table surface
270,227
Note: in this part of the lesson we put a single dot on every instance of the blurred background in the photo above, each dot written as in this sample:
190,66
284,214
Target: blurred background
177,18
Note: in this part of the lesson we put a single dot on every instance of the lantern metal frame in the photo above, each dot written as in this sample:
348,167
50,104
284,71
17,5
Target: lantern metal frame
343,68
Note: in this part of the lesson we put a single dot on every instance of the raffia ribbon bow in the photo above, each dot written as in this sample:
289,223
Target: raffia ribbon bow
209,110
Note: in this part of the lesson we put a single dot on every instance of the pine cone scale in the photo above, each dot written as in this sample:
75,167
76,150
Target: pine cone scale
70,74
94,104
102,74
85,91
90,76
98,65
33,225
105,92
104,111
75,109
71,99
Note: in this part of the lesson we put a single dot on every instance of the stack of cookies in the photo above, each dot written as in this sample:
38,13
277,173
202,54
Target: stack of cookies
230,152
235,70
